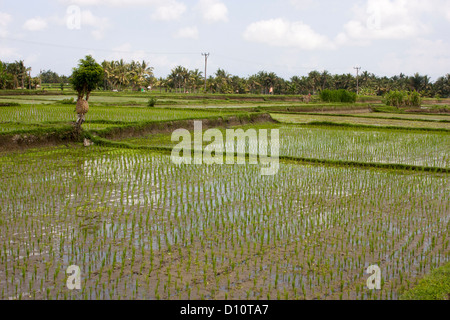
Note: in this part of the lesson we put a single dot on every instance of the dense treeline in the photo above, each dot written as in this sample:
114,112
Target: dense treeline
16,75
52,77
120,75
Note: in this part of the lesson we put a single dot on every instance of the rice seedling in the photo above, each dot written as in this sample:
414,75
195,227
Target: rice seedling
141,227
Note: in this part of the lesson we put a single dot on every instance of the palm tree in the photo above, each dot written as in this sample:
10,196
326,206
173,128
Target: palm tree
196,78
178,77
108,78
223,80
22,72
141,73
122,74
253,84
314,80
418,82
442,86
344,81
325,78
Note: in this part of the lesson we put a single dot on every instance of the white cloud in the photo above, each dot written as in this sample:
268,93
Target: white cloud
126,52
187,32
213,10
386,19
302,4
35,24
5,19
424,56
170,10
284,33
116,3
108,2
99,25
444,7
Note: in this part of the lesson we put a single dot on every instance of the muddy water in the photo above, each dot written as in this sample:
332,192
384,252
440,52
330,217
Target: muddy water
140,227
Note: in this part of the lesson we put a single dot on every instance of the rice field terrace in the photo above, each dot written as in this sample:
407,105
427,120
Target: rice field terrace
415,117
141,227
21,117
430,149
357,120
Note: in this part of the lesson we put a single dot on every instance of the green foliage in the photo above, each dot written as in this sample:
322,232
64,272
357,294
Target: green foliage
400,99
340,95
152,102
7,78
367,92
67,101
435,286
395,98
87,77
414,99
9,104
52,77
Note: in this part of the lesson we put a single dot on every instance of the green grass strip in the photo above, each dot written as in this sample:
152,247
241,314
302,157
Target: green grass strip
143,125
389,166
361,126
366,117
435,286
56,131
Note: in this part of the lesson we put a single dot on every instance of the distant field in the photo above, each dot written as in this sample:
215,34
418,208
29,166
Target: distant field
439,117
381,146
50,99
66,113
297,118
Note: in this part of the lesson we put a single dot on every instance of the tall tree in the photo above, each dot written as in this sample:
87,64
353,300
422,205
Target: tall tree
85,78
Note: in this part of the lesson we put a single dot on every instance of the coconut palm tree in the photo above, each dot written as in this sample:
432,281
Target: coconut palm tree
121,74
325,80
196,79
253,84
314,78
442,86
178,78
223,79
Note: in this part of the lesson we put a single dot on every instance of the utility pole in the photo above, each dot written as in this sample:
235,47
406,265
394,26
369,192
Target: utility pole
206,55
357,79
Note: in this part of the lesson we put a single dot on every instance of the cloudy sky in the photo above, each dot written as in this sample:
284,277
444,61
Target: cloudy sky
288,37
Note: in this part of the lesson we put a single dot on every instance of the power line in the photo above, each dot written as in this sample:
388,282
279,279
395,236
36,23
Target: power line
253,62
95,49
280,66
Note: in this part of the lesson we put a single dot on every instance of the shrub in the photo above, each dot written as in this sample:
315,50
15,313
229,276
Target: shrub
9,104
338,96
68,101
402,99
151,102
394,98
414,99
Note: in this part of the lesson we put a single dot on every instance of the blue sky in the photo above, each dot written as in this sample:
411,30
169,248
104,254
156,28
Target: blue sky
288,37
